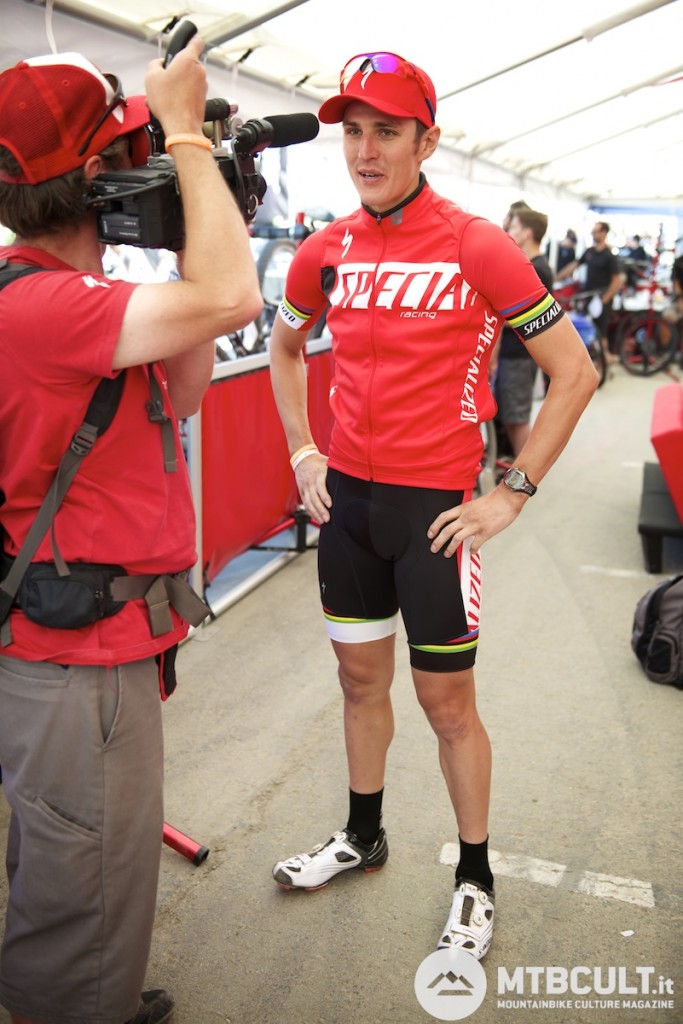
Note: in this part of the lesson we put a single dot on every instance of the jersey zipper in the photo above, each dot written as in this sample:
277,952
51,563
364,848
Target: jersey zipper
373,351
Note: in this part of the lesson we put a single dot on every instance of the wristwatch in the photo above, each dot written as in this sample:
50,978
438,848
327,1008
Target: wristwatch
516,480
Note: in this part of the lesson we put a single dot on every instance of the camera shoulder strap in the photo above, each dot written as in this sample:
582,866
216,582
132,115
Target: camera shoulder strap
98,417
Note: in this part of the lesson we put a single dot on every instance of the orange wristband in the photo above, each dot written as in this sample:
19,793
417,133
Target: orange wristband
306,448
189,139
304,455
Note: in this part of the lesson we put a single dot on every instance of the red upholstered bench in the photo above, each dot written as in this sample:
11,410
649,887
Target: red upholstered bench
661,506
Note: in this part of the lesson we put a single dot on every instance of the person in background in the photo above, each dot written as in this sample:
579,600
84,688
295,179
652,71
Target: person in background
566,250
675,310
515,369
519,204
604,278
80,710
638,252
636,261
418,291
677,277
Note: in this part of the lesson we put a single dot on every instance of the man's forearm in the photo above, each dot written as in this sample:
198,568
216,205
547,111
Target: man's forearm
289,382
557,417
217,248
566,271
613,288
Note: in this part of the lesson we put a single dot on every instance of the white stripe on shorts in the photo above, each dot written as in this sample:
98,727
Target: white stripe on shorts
470,583
360,631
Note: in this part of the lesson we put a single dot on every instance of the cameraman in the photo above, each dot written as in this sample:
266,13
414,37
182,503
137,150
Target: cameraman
80,714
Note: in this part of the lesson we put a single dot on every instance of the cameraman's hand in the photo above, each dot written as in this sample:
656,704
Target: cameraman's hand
176,95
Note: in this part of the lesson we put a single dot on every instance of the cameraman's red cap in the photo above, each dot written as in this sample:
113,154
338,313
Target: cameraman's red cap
384,81
59,110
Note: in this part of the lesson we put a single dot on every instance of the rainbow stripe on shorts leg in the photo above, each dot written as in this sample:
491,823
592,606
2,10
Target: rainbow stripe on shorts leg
348,630
458,645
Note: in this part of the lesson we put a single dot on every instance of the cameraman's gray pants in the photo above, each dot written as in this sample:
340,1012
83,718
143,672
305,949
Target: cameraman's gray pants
82,763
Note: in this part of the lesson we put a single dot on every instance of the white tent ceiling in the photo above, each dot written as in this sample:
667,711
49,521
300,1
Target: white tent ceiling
585,96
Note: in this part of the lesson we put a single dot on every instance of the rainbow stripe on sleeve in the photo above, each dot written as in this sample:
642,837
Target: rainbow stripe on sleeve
294,316
531,320
518,320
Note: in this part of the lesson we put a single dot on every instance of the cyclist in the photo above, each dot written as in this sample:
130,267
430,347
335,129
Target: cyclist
418,291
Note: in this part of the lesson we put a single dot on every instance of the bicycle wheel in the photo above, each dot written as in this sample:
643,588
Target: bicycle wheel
273,264
598,359
647,343
591,339
271,267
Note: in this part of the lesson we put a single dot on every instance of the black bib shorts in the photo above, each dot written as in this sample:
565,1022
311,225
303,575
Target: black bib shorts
374,560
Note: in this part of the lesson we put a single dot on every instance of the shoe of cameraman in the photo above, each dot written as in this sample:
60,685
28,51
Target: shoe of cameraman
156,1007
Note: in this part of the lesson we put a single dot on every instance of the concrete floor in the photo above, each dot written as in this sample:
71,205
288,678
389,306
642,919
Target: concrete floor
587,798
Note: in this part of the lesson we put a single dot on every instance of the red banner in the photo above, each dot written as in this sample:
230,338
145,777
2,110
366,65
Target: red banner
247,484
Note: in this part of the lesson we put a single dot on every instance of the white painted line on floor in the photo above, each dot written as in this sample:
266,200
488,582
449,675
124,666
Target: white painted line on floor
512,865
628,890
543,872
547,872
623,574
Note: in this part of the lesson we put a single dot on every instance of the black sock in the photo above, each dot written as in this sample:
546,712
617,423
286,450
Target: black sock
474,863
365,815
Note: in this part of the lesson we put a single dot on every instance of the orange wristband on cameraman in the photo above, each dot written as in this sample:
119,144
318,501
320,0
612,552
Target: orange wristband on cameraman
189,139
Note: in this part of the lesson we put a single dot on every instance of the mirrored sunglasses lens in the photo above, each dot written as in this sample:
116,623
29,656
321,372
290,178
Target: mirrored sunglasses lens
387,63
383,63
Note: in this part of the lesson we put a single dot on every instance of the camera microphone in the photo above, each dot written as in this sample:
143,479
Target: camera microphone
276,131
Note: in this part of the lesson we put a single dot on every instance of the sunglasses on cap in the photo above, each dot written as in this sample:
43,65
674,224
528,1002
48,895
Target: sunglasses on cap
385,63
119,100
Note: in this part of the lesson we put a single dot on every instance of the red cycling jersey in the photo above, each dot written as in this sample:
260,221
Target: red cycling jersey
417,298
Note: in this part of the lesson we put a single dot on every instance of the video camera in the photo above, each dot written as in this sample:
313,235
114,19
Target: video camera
142,206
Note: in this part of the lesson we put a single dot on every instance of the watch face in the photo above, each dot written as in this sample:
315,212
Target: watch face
514,478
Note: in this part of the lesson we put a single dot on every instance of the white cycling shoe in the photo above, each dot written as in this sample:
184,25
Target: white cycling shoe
470,922
344,850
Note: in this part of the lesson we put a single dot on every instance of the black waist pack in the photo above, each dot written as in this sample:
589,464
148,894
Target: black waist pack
66,602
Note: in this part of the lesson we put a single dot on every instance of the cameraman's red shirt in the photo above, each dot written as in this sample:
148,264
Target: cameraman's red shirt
58,332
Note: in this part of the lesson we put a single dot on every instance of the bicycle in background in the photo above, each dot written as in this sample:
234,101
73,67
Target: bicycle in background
576,304
648,337
273,247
